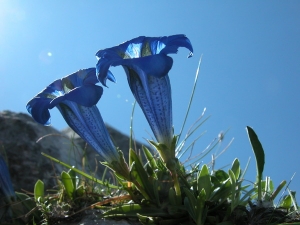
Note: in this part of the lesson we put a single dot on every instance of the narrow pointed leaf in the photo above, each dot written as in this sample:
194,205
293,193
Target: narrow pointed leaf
260,159
258,151
79,171
131,210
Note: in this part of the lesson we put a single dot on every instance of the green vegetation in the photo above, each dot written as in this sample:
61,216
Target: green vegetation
216,197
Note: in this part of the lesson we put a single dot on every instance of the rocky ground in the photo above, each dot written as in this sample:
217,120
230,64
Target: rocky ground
21,142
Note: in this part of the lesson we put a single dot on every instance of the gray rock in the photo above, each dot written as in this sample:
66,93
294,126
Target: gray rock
19,134
22,140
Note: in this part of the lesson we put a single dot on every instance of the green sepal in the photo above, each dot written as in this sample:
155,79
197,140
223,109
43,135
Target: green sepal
120,167
150,158
163,150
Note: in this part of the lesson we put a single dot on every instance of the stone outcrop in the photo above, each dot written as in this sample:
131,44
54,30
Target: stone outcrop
22,140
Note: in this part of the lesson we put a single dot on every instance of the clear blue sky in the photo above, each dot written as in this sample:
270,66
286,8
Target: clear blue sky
249,73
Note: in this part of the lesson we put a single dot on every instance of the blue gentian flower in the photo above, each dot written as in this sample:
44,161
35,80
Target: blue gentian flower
6,189
146,64
76,96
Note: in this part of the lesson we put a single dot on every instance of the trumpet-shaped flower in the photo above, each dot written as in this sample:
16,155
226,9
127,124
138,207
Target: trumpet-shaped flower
76,96
146,65
6,189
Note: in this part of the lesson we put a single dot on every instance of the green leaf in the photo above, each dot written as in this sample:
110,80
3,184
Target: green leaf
259,156
236,169
289,201
172,196
258,152
278,189
79,191
191,197
204,181
149,220
296,223
223,192
221,175
244,199
190,203
139,173
201,210
39,191
233,189
79,171
131,210
68,184
286,202
28,203
72,174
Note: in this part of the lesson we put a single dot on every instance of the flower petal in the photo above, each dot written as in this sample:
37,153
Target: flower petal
172,43
87,95
160,65
102,67
88,124
153,94
139,47
38,108
76,96
78,87
146,64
